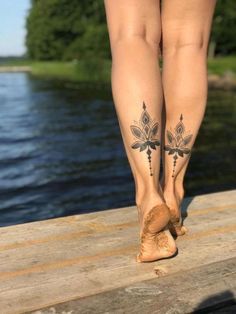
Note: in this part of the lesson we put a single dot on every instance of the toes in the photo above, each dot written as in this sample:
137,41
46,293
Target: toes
176,230
181,230
184,229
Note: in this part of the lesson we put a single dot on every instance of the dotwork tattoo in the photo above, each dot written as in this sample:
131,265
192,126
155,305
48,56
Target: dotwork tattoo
146,131
177,143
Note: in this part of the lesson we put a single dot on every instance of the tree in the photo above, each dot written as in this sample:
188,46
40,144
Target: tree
66,29
223,29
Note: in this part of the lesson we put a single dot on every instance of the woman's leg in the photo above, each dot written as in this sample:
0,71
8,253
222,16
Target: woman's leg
134,30
186,27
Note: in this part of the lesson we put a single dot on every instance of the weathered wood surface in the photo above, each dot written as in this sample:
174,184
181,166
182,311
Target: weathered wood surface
48,262
212,286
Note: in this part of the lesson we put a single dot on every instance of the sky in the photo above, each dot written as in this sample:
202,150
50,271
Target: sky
12,26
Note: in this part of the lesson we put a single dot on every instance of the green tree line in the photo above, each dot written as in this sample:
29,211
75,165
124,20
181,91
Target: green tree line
72,29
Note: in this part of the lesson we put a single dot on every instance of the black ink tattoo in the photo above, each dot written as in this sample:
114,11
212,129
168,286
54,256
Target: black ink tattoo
177,143
146,133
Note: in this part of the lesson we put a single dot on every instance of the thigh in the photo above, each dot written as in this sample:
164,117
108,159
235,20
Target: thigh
186,22
128,18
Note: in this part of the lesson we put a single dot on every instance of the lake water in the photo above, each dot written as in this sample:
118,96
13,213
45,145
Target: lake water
61,151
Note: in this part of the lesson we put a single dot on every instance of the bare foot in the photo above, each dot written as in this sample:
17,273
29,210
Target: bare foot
173,200
156,240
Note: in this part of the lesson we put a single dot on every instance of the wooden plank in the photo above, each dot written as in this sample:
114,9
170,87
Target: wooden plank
208,288
47,262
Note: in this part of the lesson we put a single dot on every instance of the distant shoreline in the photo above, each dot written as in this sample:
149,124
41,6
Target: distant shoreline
12,68
221,71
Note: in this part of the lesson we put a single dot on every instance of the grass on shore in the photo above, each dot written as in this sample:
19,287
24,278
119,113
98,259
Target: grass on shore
222,65
94,70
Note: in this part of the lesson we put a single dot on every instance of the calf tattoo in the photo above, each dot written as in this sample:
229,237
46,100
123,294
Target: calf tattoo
178,143
145,131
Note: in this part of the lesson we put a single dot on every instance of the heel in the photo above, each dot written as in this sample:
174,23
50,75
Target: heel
156,241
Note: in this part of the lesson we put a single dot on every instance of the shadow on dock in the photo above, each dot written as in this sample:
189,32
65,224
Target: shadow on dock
222,303
184,208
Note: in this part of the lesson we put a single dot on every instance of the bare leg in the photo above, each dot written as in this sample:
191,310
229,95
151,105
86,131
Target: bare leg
186,27
134,31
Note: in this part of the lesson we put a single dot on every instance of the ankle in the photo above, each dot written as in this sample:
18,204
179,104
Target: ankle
147,199
180,191
174,188
169,188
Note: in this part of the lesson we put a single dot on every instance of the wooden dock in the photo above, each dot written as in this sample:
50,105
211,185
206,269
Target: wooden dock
86,264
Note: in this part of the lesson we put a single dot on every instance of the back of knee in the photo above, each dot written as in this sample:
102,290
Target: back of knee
126,38
185,44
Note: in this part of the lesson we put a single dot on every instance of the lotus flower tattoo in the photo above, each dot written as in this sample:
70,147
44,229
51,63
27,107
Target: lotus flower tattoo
177,143
145,132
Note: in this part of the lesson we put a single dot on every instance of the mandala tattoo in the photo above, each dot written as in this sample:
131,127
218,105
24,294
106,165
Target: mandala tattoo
178,143
145,131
